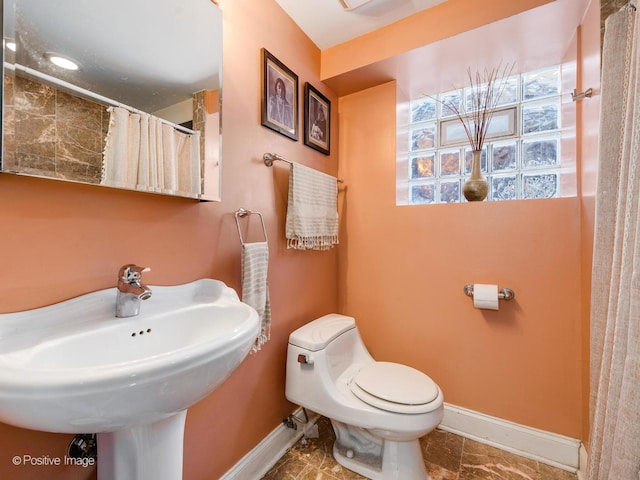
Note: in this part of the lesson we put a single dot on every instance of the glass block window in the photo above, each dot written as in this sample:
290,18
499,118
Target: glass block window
521,156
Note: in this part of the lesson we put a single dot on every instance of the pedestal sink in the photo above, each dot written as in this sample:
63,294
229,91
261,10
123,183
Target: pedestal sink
73,367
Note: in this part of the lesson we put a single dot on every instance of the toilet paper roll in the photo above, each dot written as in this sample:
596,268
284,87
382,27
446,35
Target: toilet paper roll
485,296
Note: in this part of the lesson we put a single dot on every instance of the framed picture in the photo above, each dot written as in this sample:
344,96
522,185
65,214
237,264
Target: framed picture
279,96
317,116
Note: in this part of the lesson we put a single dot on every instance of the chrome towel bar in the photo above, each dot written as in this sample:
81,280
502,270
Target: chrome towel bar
269,158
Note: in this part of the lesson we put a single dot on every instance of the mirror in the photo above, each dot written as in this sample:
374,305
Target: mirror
142,109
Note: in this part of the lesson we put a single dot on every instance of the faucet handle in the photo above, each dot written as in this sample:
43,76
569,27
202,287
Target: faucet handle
131,273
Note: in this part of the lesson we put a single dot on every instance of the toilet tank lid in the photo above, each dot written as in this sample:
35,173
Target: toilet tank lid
317,334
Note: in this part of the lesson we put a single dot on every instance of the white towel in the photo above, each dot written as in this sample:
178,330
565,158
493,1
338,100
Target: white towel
255,289
312,213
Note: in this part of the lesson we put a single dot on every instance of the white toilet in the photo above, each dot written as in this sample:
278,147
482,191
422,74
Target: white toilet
378,410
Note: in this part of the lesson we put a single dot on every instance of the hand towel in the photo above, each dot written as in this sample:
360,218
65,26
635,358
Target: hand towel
312,212
255,289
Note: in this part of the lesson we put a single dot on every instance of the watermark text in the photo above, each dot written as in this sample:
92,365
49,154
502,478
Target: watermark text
50,461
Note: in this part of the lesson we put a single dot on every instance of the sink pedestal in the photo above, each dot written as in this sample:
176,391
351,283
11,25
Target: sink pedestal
146,452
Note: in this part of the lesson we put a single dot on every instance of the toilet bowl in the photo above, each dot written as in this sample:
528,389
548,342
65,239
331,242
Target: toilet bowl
378,410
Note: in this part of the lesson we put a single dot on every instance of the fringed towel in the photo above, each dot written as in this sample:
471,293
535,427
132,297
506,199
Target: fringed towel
255,290
312,213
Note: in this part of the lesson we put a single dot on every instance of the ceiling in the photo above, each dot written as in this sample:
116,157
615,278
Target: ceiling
328,24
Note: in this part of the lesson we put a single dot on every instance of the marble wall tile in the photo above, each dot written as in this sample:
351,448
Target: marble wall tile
75,110
50,133
33,97
35,137
199,118
8,124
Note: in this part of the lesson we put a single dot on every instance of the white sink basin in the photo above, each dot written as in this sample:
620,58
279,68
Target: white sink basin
74,367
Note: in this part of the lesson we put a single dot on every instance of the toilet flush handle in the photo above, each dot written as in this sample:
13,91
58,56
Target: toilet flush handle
304,358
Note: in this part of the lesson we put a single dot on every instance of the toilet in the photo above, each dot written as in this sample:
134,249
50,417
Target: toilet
378,410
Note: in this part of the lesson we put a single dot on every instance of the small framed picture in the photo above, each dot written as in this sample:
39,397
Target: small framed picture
317,116
279,96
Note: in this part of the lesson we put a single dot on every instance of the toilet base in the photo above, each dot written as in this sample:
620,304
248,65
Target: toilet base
375,458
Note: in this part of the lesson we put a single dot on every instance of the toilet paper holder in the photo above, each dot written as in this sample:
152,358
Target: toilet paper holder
503,293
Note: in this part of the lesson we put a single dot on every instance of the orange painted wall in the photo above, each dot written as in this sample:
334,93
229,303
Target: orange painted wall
403,269
60,240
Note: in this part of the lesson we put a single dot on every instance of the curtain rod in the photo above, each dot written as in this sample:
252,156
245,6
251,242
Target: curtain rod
88,93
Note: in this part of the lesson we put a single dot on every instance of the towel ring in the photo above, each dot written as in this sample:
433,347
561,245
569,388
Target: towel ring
242,212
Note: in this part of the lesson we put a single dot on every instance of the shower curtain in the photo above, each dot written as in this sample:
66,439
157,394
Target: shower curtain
144,153
614,447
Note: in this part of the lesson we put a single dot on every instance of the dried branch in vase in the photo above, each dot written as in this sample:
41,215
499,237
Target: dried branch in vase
486,90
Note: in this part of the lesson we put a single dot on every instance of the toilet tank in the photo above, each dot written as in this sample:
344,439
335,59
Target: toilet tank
316,335
332,342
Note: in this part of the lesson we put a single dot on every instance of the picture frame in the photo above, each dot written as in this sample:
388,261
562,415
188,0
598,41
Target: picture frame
279,96
317,120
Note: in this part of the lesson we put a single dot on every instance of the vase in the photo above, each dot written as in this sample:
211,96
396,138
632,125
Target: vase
475,189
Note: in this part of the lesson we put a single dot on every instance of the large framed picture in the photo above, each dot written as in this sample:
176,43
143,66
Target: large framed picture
317,116
279,96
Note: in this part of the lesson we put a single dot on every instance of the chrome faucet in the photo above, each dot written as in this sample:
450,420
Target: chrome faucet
130,291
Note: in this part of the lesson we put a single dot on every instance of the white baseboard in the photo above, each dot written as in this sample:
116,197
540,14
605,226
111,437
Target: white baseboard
549,448
584,463
264,456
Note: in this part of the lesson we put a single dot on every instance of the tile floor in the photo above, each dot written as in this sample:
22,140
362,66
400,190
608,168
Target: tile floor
447,457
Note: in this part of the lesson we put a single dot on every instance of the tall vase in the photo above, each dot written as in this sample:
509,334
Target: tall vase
475,189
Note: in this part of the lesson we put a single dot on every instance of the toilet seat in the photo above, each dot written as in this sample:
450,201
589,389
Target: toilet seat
395,388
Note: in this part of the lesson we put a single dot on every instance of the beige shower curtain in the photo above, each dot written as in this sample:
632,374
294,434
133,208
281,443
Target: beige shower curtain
614,447
144,153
